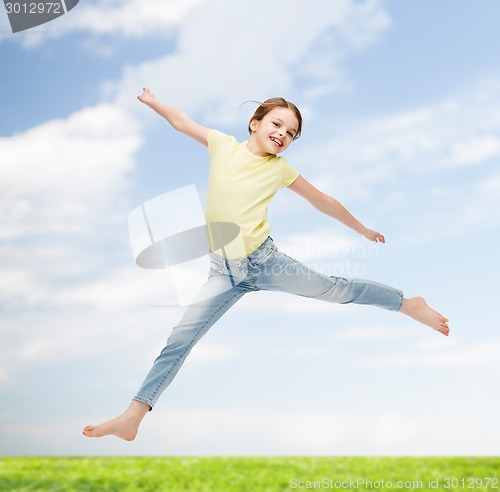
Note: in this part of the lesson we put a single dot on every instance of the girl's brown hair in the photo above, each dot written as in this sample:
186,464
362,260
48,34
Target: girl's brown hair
276,102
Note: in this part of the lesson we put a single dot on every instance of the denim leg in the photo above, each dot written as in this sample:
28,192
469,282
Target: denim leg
282,273
213,301
361,291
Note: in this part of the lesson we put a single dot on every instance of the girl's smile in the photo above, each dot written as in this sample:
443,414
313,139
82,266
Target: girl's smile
277,141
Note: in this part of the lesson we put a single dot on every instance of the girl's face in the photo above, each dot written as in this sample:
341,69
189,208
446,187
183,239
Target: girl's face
274,133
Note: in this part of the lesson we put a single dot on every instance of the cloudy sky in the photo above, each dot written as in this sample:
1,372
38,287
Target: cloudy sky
401,105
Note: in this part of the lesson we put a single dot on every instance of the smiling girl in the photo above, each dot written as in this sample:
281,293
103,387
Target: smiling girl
243,179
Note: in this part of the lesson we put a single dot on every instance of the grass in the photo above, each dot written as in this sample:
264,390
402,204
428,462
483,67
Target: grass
246,474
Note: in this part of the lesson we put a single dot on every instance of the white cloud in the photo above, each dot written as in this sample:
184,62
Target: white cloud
212,76
247,432
206,353
239,431
475,149
424,141
314,48
60,181
370,333
36,339
56,176
440,356
360,26
137,335
132,19
4,24
121,289
129,18
482,206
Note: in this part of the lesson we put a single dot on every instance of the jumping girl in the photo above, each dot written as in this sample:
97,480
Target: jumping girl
243,179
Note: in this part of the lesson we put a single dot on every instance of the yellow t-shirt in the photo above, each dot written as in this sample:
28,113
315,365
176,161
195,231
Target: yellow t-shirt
240,187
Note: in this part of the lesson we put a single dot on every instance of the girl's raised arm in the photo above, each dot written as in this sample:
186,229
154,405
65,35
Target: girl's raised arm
178,119
329,206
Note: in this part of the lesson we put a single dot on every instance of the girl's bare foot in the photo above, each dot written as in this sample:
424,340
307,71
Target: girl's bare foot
125,426
418,309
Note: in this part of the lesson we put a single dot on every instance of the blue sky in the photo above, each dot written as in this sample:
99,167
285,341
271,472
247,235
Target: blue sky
400,103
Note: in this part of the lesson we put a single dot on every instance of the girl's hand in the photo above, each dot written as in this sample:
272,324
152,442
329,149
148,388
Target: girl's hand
146,97
374,236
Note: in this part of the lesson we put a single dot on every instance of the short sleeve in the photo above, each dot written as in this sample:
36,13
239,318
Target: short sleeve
217,140
289,174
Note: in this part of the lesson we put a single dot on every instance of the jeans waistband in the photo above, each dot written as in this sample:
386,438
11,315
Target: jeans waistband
262,251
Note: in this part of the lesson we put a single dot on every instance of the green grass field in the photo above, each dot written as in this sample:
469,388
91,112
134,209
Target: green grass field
247,474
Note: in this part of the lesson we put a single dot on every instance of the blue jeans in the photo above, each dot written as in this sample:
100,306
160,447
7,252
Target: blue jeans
229,280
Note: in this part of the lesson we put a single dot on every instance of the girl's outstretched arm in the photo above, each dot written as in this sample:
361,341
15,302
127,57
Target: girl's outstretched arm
179,120
329,206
